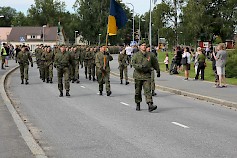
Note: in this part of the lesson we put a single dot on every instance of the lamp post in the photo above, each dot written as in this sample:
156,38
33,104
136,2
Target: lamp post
76,37
99,39
132,22
43,33
140,19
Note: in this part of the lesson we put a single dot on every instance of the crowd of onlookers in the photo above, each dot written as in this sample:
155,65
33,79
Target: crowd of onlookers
184,56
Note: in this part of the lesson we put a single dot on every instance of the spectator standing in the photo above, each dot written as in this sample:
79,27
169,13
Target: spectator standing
187,57
214,65
166,61
129,52
220,58
199,51
201,65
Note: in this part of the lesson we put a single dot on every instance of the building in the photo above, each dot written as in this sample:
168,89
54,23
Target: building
32,36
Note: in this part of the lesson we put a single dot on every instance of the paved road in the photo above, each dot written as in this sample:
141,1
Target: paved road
89,125
11,143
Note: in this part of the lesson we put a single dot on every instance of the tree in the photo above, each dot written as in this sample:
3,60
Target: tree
8,14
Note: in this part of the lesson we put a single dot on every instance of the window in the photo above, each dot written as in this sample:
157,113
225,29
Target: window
33,37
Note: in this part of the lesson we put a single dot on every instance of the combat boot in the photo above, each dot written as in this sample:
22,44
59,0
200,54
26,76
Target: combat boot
67,94
43,80
94,79
151,107
61,94
47,80
51,81
86,76
101,93
78,81
73,80
121,82
89,77
153,93
3,66
138,107
126,83
26,82
22,81
109,93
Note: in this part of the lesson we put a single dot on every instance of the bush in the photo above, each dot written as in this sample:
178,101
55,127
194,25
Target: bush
231,64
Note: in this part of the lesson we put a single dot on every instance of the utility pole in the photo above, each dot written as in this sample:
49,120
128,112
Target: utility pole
175,22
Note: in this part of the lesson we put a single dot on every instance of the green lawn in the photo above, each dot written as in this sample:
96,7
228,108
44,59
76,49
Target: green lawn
209,75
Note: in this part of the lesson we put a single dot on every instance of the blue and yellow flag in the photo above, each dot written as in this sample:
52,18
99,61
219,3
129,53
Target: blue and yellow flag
117,18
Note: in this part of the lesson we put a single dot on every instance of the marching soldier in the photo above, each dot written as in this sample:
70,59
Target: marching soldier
48,64
62,60
102,60
123,63
153,86
89,58
75,55
142,62
23,59
86,50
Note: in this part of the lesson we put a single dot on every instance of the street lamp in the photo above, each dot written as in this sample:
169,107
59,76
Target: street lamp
43,33
99,39
1,16
76,37
132,21
140,27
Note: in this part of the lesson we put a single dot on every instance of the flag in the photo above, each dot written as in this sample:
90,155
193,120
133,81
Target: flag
117,18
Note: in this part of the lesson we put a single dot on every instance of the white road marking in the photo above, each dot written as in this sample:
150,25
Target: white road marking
83,87
124,103
179,124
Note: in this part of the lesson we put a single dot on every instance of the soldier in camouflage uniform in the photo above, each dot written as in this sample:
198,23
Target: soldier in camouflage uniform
75,55
62,61
89,58
153,86
102,60
38,54
123,63
23,59
48,55
142,62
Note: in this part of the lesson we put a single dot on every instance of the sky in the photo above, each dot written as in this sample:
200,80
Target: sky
140,6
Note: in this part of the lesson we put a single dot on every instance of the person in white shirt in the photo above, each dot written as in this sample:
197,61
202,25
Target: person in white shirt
129,52
186,65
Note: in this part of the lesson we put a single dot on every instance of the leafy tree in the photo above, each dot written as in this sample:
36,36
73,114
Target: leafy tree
20,20
8,14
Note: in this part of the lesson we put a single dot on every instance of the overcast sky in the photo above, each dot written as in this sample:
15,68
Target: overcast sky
140,6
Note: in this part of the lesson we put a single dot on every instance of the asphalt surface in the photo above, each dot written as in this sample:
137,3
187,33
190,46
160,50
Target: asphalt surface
89,125
12,145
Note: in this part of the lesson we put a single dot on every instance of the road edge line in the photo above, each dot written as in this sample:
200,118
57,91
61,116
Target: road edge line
189,94
34,147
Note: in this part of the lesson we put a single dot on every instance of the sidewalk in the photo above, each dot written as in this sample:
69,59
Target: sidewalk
202,90
12,143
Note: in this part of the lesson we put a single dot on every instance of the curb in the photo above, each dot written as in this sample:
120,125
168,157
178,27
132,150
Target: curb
36,150
188,94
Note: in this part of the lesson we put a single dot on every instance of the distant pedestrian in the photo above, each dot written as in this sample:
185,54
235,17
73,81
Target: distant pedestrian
4,54
201,59
199,51
123,66
215,50
166,61
220,58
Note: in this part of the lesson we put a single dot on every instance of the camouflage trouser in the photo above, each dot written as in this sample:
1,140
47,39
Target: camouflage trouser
153,85
24,68
103,78
86,66
75,71
123,69
42,69
93,70
63,72
49,71
146,84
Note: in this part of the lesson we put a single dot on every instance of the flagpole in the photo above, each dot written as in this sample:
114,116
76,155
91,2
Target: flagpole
107,38
150,27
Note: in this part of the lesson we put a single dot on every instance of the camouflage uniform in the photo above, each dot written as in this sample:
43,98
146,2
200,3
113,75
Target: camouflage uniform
48,65
143,62
103,70
123,63
75,55
62,61
90,60
23,59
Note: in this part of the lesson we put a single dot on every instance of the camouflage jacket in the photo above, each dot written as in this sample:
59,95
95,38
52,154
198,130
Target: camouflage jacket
102,60
62,60
143,64
123,60
38,53
49,57
23,58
